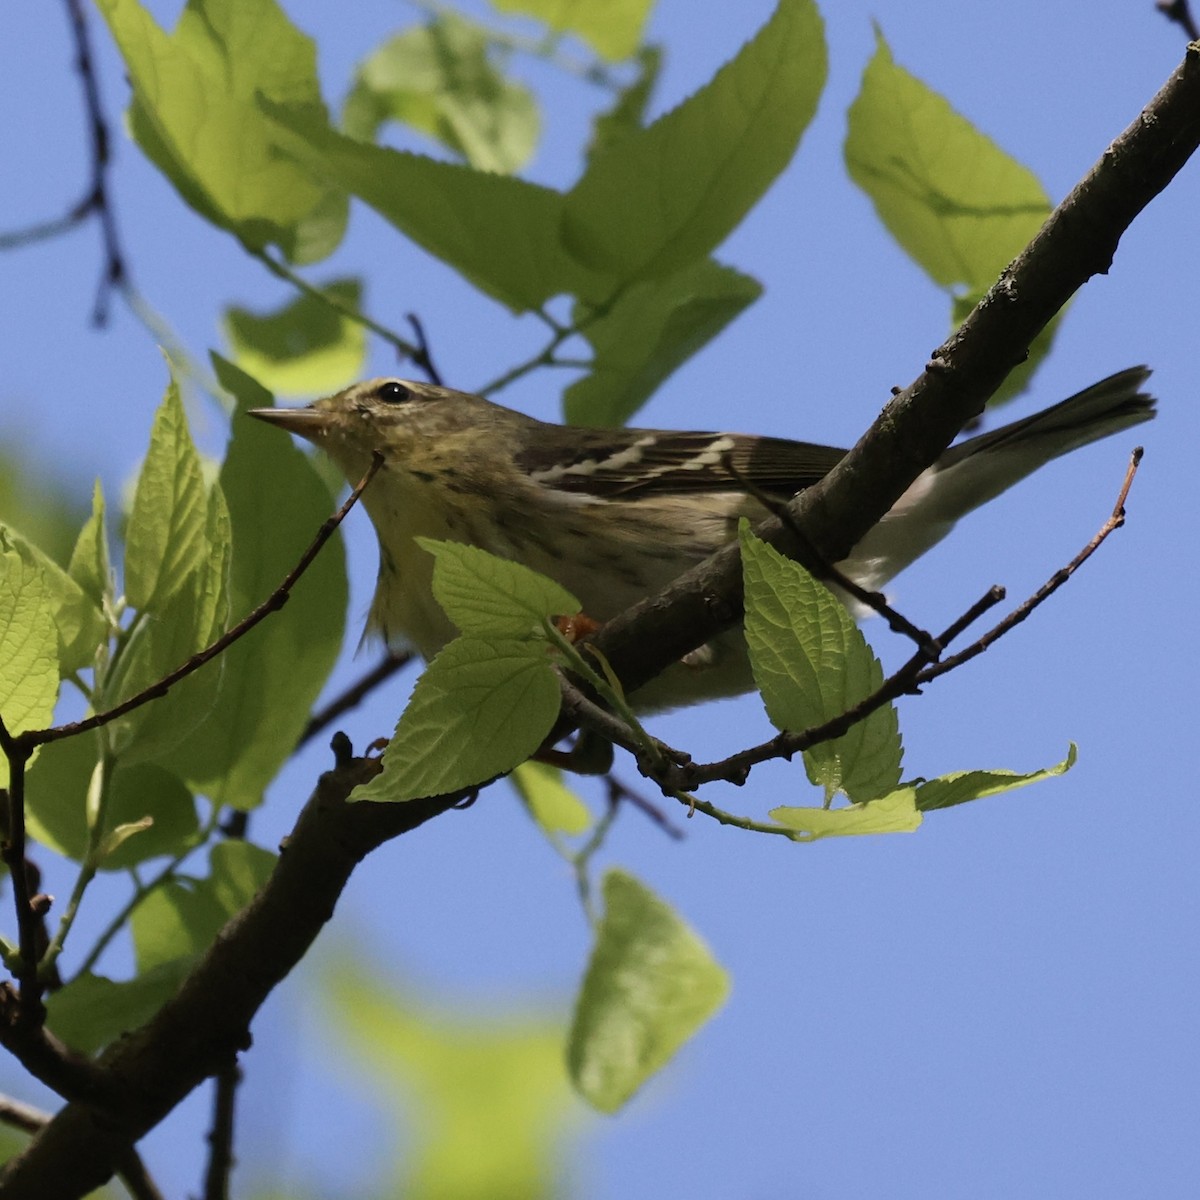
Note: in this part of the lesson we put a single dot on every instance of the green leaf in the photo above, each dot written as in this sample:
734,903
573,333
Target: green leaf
553,805
91,566
499,233
189,621
80,625
650,984
28,647
303,348
628,112
894,813
37,498
964,786
663,197
613,28
489,1087
56,789
480,708
165,541
439,78
958,204
111,843
179,919
493,597
654,328
195,115
811,664
93,1010
272,676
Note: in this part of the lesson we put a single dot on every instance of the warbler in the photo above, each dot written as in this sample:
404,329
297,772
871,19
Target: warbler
616,514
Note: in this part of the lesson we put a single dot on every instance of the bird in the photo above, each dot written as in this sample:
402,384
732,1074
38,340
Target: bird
616,514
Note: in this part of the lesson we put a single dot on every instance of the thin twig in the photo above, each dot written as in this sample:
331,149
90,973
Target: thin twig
95,200
587,712
133,1174
275,601
220,1137
913,675
423,358
16,1114
1114,522
353,695
126,911
828,572
13,853
736,767
560,333
404,348
618,790
115,275
1180,12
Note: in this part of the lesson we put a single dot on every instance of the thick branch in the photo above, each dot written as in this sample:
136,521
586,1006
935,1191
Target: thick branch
199,1031
1077,241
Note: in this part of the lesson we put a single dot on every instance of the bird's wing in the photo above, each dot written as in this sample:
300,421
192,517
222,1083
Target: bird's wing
656,462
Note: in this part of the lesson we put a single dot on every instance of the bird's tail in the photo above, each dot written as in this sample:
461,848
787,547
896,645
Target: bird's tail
979,469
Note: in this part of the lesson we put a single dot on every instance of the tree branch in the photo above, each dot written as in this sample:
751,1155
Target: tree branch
198,1031
1077,241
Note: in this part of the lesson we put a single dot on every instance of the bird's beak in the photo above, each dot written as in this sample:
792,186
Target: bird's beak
307,422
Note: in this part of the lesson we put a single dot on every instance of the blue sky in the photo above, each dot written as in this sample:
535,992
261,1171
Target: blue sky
1000,1005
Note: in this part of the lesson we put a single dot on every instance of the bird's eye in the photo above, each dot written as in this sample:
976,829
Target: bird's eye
394,392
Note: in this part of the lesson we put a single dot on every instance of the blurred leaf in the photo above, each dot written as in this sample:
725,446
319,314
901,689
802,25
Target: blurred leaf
894,813
964,786
91,564
652,329
439,78
613,28
165,540
651,983
179,919
665,196
273,675
811,664
958,204
109,846
628,113
194,114
79,625
93,1010
490,596
28,646
487,1096
56,789
553,805
499,233
34,499
304,347
480,708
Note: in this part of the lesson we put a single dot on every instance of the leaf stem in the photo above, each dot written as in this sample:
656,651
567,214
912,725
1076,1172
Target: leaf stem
402,346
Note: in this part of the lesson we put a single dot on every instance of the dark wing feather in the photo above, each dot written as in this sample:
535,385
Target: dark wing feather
660,462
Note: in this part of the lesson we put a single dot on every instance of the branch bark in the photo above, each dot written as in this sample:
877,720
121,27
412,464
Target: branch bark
199,1032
